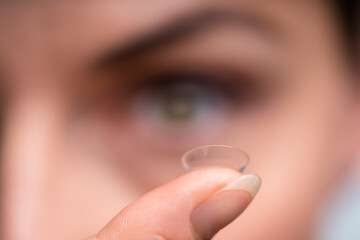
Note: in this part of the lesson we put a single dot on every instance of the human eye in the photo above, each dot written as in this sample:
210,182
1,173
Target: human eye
189,105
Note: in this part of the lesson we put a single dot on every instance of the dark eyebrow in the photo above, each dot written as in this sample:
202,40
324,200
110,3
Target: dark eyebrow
183,27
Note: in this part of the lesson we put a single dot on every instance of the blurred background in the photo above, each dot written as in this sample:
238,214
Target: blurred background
340,218
100,99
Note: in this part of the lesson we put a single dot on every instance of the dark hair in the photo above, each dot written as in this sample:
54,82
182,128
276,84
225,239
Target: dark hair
347,12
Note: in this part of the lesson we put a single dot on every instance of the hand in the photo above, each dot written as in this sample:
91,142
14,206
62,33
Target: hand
193,207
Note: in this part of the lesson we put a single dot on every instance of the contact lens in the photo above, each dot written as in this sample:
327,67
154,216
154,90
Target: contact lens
215,155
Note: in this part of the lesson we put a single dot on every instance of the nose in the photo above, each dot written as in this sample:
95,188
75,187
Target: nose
29,146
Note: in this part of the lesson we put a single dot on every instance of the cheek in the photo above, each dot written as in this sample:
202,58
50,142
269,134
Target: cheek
85,196
299,149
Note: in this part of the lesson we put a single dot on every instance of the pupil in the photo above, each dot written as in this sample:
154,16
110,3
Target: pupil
178,108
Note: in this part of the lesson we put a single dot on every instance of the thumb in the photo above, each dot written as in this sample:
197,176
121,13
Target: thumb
194,206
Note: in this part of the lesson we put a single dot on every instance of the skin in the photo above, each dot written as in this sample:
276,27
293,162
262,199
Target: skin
75,153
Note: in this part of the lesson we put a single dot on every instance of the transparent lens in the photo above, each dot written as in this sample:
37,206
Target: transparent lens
215,155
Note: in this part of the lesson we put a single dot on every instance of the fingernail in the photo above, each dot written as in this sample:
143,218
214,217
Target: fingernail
224,206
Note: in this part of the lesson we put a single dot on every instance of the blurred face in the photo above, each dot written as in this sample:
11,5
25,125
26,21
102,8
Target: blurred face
101,98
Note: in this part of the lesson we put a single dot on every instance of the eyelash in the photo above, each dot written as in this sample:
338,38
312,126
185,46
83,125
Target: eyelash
236,89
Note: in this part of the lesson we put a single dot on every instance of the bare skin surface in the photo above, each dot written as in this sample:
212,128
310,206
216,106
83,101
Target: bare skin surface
80,143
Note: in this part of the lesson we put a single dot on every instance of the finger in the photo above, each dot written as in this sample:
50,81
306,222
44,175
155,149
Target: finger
194,206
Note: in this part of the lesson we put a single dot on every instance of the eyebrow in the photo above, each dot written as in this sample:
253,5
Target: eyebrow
184,27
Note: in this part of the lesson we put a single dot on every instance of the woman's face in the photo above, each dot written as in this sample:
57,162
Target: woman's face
101,98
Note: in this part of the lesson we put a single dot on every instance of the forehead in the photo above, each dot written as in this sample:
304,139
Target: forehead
81,28
126,15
